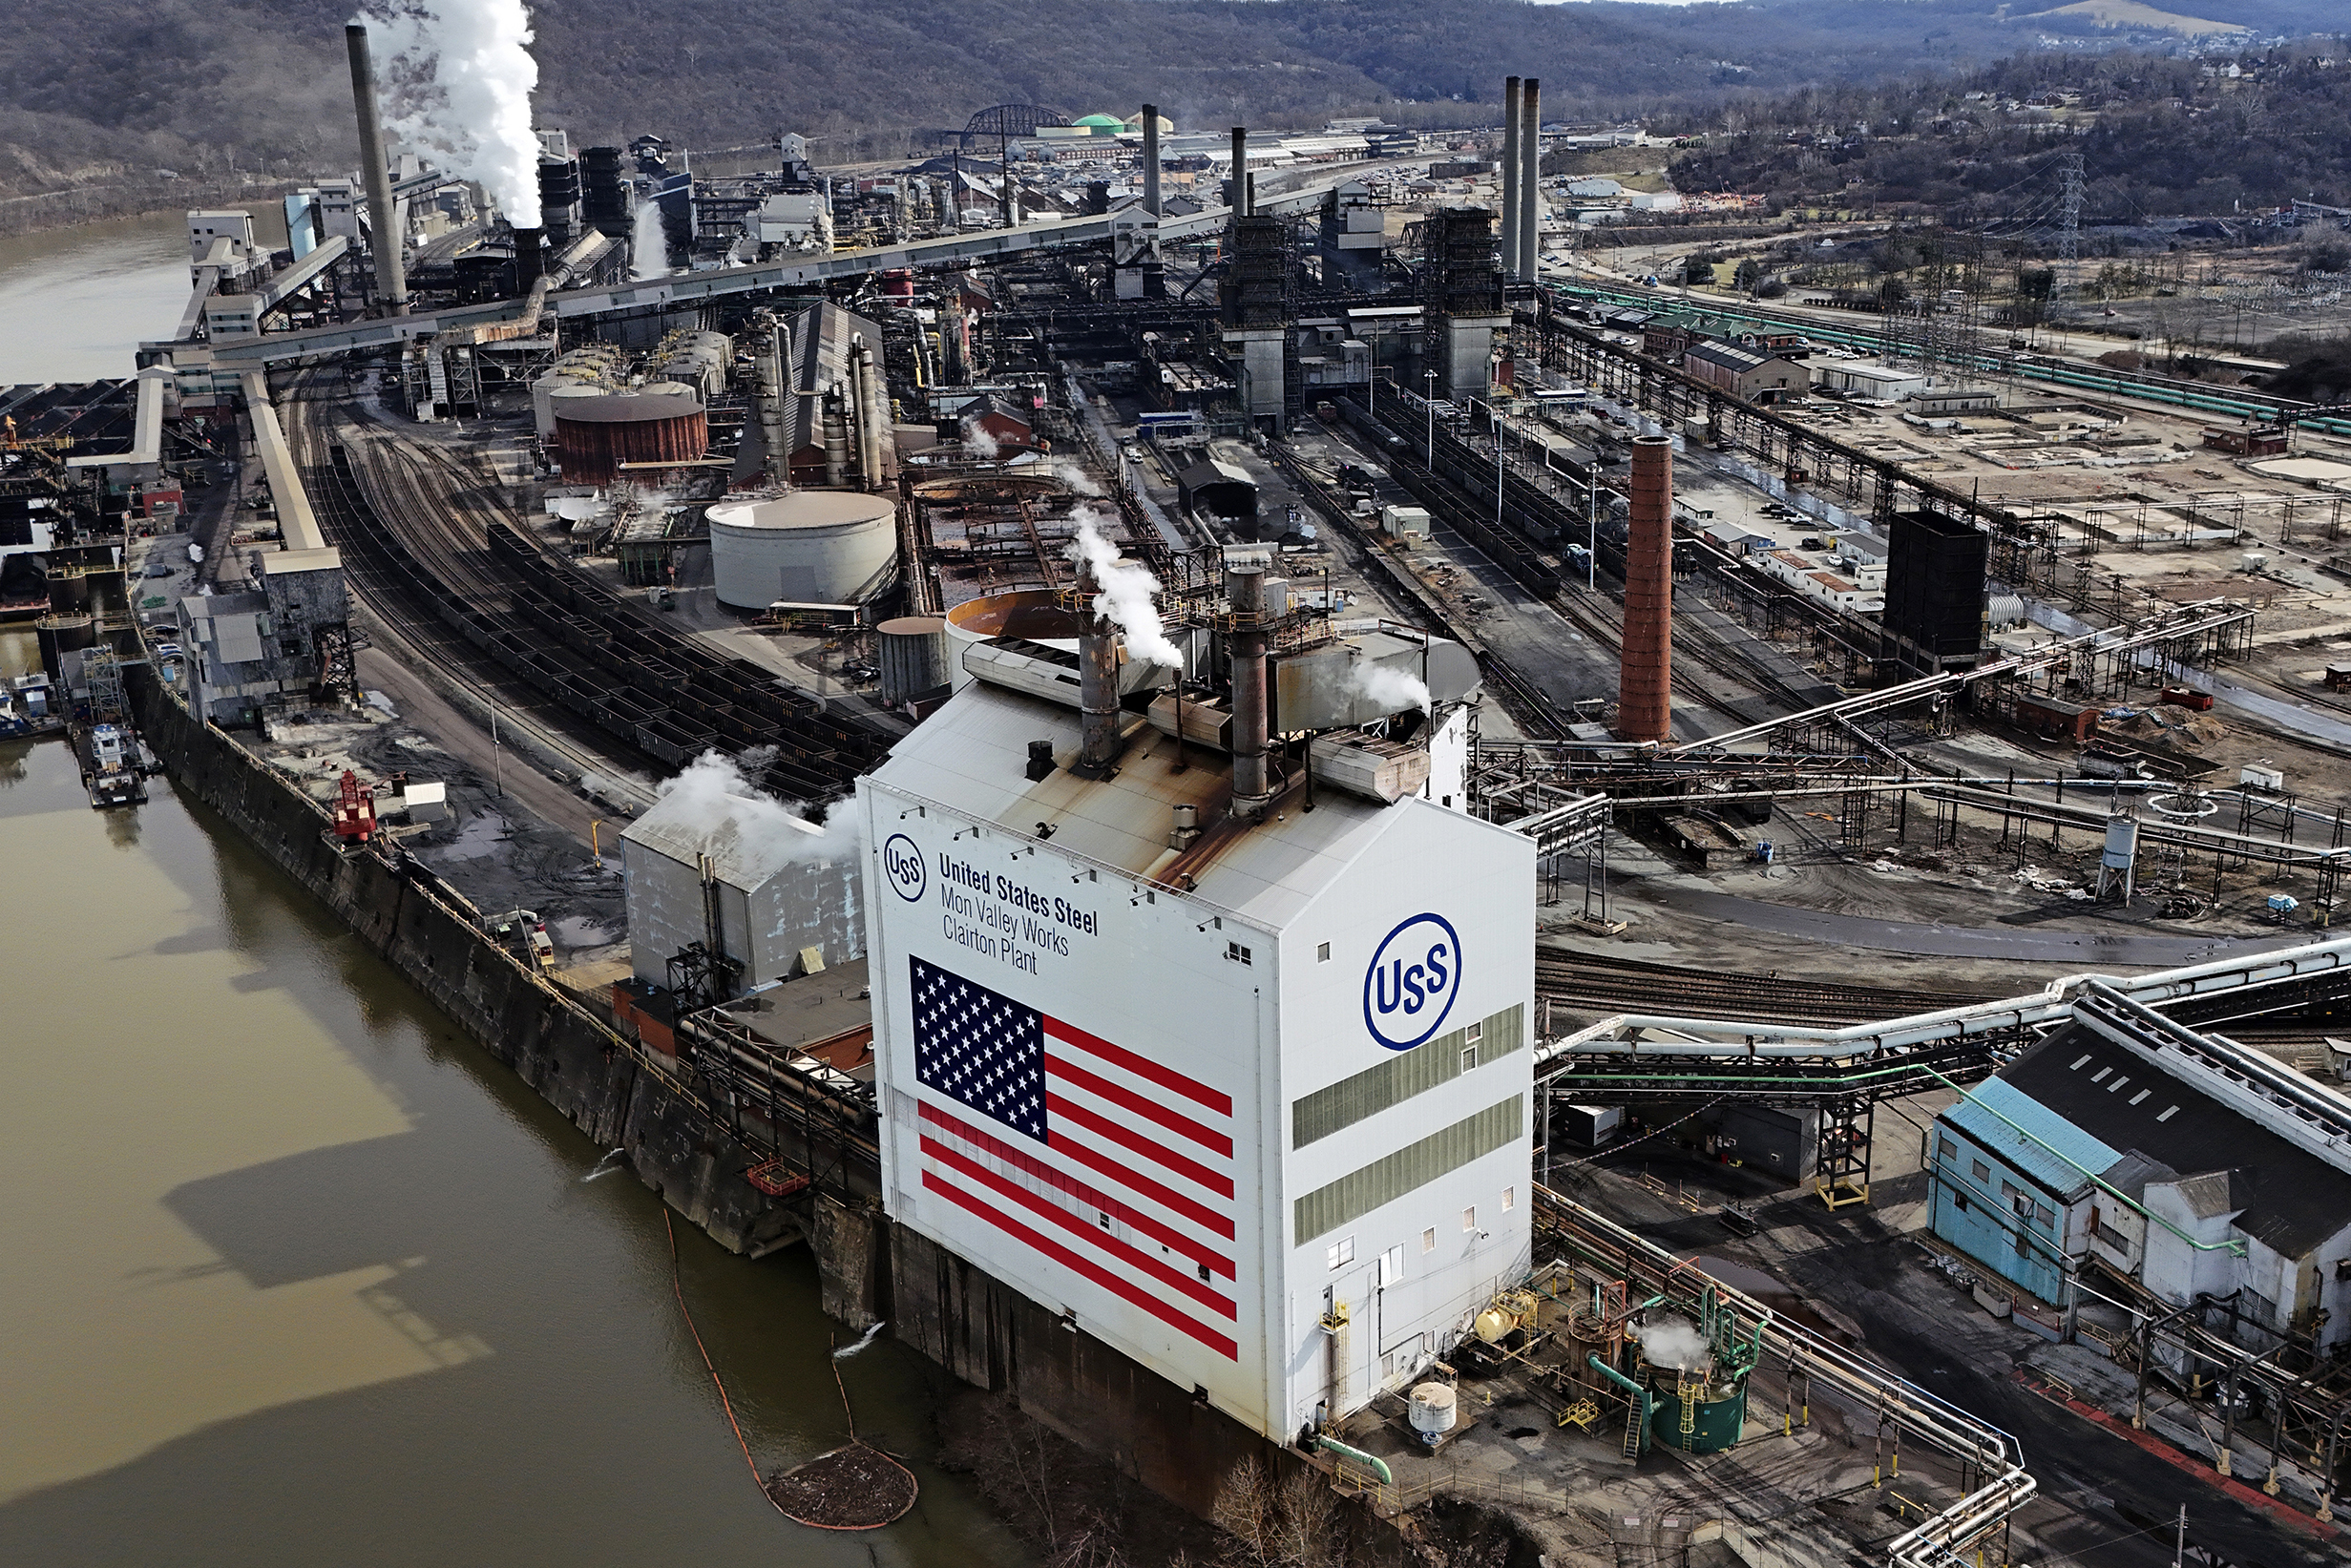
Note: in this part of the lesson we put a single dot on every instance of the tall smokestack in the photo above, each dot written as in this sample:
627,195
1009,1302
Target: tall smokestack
1098,688
1644,681
870,434
1245,591
1530,184
1506,175
1240,170
392,278
774,358
836,438
1150,158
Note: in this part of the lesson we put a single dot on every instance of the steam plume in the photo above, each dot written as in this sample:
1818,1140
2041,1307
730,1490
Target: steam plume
649,245
729,814
1391,688
1674,1342
462,79
1126,596
978,441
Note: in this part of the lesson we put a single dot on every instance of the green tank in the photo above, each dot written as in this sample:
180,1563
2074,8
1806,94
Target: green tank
1706,1421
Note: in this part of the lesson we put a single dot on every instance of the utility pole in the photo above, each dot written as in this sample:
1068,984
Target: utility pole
2179,1548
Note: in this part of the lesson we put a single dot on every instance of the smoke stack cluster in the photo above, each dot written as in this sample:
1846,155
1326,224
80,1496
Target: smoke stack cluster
1150,158
391,280
1645,680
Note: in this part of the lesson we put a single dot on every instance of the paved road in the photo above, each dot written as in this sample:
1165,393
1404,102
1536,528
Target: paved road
1937,940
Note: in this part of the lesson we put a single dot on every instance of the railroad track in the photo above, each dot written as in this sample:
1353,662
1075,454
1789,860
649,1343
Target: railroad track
407,612
1587,983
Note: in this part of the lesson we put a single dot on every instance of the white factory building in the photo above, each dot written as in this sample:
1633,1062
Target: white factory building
1249,1101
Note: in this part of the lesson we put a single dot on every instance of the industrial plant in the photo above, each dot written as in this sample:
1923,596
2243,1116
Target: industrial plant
1288,826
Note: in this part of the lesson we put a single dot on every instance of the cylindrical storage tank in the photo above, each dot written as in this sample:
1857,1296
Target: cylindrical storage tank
662,423
1033,615
1433,1410
2122,842
912,656
810,547
1708,1421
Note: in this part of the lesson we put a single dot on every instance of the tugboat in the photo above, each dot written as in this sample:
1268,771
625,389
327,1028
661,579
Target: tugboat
110,761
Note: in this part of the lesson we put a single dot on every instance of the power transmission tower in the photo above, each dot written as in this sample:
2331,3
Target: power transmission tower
2069,233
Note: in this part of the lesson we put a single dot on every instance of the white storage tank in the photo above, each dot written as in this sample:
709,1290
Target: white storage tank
810,547
1433,1409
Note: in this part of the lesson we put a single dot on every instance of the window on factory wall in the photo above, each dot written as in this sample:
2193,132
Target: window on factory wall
1340,1253
1469,1218
1948,1151
1322,952
1238,954
1510,1199
1392,1265
1428,1240
1983,1173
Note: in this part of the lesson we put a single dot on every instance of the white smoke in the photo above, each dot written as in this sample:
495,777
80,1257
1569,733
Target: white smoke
978,441
1675,1343
461,75
649,244
1392,688
1079,481
729,815
1125,594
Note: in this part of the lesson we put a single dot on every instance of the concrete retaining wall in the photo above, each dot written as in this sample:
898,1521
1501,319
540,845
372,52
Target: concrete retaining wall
612,1090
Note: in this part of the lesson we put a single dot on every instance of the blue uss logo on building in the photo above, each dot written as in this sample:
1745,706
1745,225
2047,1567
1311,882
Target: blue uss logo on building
902,865
1412,982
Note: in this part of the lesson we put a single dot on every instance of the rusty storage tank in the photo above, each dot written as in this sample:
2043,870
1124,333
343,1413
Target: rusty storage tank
661,422
1033,615
807,547
912,652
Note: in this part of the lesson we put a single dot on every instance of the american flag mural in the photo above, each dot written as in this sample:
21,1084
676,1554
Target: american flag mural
1116,1167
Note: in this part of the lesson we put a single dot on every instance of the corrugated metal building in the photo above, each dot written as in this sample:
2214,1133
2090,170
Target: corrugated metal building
773,894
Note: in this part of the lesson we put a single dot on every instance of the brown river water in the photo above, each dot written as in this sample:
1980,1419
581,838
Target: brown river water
291,1273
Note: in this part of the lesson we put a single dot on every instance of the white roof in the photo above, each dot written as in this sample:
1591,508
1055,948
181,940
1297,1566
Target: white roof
971,757
673,826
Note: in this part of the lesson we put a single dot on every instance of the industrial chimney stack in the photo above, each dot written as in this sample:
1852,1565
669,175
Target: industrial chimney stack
1098,688
1240,170
392,278
1530,183
1506,176
1245,594
1150,158
1644,681
529,260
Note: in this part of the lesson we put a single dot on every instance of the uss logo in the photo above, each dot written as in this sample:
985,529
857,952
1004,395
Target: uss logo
1414,977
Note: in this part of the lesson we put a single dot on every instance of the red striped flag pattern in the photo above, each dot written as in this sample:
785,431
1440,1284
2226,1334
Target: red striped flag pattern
1116,1167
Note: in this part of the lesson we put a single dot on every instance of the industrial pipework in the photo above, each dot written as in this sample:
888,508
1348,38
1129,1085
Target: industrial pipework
1645,677
774,358
391,276
1506,172
869,427
1150,158
1529,175
1244,591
